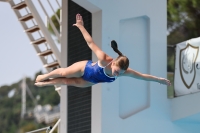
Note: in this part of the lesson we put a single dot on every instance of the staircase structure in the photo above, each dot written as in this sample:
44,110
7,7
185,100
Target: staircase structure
37,32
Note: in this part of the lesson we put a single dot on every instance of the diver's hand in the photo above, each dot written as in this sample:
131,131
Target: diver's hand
164,81
79,20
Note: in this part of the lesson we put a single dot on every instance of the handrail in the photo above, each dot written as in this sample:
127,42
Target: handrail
54,127
50,21
54,11
41,129
46,128
58,4
46,42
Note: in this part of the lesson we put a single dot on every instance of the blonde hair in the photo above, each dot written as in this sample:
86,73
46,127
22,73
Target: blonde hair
122,61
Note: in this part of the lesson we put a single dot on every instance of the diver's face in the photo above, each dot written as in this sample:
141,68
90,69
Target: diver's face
116,70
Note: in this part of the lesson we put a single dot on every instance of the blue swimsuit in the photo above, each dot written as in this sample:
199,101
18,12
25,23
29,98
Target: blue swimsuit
96,73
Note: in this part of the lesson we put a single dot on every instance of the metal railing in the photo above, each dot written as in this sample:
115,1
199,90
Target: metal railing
56,32
40,130
48,129
36,12
40,34
54,127
32,8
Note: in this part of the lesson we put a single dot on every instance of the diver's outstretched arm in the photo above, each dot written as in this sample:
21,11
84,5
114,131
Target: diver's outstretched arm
134,74
99,53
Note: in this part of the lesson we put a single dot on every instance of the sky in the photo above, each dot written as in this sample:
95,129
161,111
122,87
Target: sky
17,56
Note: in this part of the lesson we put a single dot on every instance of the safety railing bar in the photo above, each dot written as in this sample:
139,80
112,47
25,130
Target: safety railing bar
60,22
46,44
53,58
39,130
54,12
46,58
51,23
58,4
54,29
54,127
47,49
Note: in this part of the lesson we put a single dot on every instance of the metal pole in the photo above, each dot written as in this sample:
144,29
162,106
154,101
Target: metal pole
64,46
23,112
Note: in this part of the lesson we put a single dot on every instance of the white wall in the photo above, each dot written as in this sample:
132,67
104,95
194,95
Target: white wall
130,105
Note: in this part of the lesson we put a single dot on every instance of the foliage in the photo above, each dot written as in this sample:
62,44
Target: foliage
55,22
183,18
183,23
10,108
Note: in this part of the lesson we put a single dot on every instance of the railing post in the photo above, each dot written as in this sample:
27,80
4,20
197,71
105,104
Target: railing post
64,49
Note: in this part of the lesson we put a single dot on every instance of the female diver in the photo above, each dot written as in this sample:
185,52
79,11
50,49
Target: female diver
87,73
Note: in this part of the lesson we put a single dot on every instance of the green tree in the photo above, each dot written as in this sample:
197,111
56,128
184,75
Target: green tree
55,22
183,23
10,108
183,18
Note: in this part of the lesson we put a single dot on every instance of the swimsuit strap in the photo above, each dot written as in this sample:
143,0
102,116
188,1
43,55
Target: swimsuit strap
108,63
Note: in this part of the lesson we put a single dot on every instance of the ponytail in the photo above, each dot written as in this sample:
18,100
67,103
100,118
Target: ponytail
115,47
121,61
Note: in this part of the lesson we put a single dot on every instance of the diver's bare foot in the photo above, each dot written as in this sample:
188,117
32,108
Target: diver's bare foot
39,78
40,84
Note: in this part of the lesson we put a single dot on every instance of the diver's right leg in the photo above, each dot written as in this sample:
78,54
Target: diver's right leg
77,82
75,70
